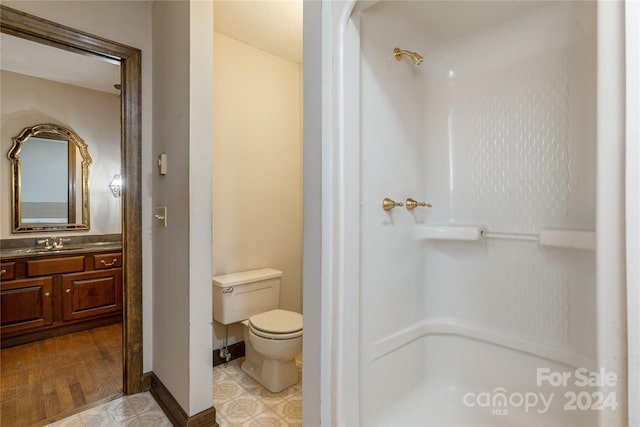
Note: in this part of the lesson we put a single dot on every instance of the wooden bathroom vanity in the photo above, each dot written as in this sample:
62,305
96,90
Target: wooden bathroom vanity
52,293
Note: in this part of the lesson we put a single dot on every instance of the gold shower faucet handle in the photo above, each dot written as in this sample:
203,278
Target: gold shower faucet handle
412,204
388,204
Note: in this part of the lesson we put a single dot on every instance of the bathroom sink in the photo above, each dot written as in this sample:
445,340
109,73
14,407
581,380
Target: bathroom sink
67,248
87,246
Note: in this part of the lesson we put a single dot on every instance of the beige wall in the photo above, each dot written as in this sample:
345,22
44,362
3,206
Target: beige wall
182,98
171,245
257,168
93,115
316,369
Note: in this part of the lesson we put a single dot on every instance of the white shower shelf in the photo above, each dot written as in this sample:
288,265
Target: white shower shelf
559,238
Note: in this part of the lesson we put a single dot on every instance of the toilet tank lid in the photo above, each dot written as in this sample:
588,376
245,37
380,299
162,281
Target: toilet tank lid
242,277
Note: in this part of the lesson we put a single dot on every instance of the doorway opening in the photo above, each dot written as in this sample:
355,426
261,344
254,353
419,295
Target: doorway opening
129,334
257,206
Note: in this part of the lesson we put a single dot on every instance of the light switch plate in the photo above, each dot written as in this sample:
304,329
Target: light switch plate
160,216
162,164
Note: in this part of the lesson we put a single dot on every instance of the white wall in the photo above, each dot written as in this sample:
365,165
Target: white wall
127,22
257,168
182,67
200,151
93,115
632,26
610,222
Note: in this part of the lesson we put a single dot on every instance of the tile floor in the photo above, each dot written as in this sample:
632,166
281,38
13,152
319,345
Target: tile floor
135,410
238,399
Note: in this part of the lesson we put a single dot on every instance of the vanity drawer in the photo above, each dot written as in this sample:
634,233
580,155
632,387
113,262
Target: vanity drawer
107,261
46,267
7,270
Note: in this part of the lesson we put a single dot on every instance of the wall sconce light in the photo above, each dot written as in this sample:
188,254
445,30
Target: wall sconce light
116,185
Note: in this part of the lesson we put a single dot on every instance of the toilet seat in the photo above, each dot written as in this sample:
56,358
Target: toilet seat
276,324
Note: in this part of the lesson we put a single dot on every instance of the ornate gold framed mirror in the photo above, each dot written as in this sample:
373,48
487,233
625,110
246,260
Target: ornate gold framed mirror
48,162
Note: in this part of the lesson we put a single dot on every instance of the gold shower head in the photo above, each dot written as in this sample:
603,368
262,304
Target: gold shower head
415,57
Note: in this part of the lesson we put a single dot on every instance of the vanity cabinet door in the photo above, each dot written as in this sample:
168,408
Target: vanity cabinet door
25,304
91,294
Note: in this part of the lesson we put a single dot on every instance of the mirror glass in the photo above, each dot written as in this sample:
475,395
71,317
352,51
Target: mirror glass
47,201
50,179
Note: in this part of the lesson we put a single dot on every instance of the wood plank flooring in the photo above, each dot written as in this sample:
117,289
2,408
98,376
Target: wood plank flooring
45,379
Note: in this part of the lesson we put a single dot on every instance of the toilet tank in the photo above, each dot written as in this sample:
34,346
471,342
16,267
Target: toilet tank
238,296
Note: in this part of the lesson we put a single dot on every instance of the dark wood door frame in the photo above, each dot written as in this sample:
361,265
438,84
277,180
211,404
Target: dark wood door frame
30,27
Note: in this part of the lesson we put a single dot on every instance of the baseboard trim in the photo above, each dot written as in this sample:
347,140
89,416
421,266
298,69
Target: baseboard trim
237,350
172,408
146,381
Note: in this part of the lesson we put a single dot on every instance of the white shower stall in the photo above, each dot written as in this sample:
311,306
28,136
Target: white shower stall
503,303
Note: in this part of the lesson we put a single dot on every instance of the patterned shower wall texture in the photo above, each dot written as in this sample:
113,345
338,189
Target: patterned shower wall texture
519,154
520,158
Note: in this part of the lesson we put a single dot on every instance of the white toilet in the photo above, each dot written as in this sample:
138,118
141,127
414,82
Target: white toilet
272,337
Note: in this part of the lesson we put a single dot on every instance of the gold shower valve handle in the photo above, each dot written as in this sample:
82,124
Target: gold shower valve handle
412,204
388,204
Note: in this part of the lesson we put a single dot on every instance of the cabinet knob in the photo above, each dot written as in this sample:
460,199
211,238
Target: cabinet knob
68,291
46,294
108,264
2,271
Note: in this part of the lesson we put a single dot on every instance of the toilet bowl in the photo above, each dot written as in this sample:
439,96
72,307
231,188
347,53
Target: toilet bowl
272,341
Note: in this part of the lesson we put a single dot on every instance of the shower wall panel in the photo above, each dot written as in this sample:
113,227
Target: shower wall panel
495,129
391,165
520,157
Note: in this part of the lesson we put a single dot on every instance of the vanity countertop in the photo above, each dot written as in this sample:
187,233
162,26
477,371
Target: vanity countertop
11,253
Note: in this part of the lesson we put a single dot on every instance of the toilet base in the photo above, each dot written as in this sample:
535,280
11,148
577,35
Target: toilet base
274,375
